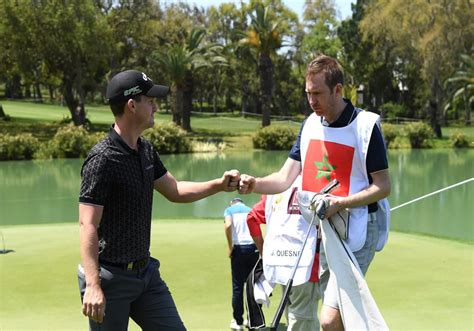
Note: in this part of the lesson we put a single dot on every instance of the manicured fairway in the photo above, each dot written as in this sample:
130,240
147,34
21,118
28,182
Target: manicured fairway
419,283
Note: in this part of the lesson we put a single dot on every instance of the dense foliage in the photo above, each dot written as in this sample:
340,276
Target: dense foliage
275,138
69,142
18,147
419,134
168,139
459,140
407,58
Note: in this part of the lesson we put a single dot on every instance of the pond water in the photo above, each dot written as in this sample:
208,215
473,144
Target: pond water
35,192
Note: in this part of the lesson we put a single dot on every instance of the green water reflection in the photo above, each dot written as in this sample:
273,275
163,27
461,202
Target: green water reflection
35,192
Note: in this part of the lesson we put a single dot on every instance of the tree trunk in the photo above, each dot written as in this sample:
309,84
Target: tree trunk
51,92
13,88
2,113
214,99
467,115
28,91
229,104
433,114
265,68
176,104
75,107
39,96
187,102
245,97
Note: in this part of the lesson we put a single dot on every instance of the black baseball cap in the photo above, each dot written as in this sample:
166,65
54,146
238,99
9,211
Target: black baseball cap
130,83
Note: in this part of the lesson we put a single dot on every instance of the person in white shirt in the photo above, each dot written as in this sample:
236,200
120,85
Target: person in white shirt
243,255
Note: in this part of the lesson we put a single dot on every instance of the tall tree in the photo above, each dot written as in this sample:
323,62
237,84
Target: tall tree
319,18
224,85
264,35
461,86
364,67
19,60
135,29
180,61
429,34
70,40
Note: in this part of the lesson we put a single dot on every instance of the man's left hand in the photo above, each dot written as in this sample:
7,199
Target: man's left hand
336,203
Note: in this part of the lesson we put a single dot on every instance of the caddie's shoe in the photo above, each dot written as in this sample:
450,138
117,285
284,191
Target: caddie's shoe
235,326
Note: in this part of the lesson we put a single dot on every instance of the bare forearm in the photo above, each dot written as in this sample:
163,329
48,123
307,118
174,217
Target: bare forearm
89,253
379,189
259,243
228,235
271,184
193,191
184,191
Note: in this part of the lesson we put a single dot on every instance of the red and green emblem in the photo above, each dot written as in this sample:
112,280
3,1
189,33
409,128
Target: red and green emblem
324,168
325,161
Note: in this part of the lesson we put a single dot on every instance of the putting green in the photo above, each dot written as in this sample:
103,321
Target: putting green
419,283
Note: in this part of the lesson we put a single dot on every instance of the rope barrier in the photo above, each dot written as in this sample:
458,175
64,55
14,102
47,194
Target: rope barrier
432,193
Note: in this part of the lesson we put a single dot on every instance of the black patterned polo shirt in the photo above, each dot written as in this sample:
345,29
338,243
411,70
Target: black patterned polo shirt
121,180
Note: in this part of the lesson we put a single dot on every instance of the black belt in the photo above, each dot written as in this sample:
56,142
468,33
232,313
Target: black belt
135,265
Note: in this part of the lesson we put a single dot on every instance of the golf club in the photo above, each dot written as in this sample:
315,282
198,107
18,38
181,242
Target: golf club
320,211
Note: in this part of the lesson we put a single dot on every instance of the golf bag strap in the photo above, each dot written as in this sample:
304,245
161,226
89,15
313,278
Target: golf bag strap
256,317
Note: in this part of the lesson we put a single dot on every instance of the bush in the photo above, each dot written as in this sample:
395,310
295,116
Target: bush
392,110
390,132
459,140
69,142
419,134
274,138
208,147
18,147
168,139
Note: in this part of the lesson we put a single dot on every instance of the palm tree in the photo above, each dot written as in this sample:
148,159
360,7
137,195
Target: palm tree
462,86
179,61
264,36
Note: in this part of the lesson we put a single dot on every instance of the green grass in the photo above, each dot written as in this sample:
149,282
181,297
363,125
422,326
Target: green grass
419,283
42,120
468,131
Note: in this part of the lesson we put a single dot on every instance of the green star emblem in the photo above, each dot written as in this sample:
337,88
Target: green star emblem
324,168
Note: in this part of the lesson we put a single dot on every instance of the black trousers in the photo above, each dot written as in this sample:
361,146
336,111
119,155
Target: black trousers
139,294
243,260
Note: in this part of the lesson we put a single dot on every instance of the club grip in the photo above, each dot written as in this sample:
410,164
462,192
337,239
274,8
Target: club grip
330,186
281,307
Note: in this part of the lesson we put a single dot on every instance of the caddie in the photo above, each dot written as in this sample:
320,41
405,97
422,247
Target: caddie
338,141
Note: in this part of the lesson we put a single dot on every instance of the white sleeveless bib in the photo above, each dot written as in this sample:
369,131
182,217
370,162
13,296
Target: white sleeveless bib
286,230
328,153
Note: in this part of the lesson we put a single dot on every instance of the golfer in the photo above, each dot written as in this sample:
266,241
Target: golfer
337,141
118,278
243,255
285,234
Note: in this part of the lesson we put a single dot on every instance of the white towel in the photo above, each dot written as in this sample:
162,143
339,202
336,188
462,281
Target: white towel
262,290
356,304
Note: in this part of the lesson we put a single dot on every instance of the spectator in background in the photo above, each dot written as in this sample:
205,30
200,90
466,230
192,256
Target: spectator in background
243,255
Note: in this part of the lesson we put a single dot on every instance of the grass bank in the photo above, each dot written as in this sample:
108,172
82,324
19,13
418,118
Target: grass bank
419,283
42,120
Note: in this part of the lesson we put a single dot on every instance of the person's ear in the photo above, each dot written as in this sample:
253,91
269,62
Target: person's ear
131,105
338,89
